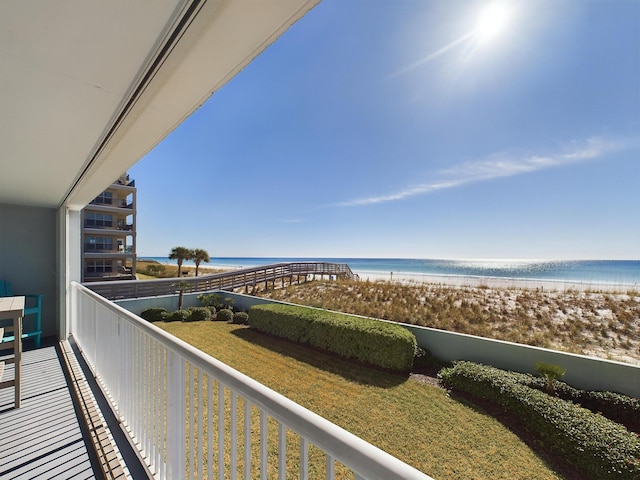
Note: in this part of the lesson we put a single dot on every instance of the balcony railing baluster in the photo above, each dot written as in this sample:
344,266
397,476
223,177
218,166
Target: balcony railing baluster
210,411
247,440
330,463
282,451
200,441
220,431
304,459
233,470
191,423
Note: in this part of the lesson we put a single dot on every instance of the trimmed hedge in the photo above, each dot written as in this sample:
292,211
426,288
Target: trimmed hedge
155,314
241,318
199,314
371,341
179,316
615,406
599,447
224,315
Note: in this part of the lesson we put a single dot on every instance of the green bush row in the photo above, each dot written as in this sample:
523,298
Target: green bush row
371,341
155,314
598,446
194,314
615,406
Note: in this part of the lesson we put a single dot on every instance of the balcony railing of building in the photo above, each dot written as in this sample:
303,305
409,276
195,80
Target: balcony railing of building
124,204
125,181
108,226
112,202
191,416
243,277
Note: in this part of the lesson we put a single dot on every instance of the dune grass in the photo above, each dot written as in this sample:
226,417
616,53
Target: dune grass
159,270
592,323
423,426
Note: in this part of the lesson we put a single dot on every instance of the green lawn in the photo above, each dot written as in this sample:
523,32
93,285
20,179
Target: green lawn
419,424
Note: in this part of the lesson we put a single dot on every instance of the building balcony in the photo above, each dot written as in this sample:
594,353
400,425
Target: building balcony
89,249
114,207
124,183
115,230
119,223
186,414
125,253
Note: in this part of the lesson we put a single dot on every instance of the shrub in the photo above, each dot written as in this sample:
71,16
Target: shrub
179,316
210,299
615,406
371,341
199,313
155,314
155,269
550,373
241,318
224,315
596,445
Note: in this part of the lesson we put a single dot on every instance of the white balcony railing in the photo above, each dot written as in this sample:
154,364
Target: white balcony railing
192,416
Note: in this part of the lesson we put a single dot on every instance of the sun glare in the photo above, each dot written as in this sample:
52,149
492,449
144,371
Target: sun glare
492,21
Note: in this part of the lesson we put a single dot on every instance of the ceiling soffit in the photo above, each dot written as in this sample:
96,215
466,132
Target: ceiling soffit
88,87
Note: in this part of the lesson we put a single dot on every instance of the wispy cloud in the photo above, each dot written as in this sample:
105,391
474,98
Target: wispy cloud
293,220
496,166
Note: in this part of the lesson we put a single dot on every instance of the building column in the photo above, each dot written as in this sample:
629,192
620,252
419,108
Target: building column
69,264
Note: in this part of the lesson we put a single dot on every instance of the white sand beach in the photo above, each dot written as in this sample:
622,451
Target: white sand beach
500,282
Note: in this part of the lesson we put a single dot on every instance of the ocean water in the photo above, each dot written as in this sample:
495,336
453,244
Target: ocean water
617,272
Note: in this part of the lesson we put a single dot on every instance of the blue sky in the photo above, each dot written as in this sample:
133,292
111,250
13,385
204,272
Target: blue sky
412,129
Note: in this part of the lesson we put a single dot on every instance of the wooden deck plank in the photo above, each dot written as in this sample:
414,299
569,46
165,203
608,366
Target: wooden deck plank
43,438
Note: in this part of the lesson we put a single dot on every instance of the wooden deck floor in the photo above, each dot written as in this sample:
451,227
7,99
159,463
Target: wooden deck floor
43,439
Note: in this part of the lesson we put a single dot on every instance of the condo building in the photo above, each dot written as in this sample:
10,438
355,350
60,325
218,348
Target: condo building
109,233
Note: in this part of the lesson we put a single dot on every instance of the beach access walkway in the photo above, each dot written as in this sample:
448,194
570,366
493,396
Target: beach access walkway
244,277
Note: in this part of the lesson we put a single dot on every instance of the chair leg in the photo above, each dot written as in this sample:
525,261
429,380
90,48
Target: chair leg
38,327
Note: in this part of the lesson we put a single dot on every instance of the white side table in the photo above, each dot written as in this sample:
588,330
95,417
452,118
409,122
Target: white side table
13,308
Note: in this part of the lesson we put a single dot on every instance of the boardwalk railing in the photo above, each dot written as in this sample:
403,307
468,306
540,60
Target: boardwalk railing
244,277
192,416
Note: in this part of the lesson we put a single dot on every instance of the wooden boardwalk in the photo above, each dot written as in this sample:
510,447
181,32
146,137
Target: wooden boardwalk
43,438
244,277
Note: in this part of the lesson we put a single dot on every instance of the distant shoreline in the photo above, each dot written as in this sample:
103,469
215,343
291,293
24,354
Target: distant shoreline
464,280
604,274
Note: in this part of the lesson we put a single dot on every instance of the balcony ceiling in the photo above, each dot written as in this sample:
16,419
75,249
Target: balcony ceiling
87,87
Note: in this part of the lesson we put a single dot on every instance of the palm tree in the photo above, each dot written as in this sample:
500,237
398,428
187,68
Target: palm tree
181,286
199,255
180,254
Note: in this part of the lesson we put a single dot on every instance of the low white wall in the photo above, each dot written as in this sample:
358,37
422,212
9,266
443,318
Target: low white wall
170,302
588,373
